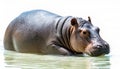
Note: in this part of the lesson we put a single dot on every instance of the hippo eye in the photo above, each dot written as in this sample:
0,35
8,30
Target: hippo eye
84,33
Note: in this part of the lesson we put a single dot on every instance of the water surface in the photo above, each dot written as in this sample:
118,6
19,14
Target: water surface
14,60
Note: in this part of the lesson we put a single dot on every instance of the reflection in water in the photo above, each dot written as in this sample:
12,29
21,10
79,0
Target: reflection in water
33,61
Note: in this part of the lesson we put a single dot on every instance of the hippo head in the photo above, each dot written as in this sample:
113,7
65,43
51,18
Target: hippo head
85,38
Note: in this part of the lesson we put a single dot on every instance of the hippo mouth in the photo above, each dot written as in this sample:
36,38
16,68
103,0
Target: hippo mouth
98,52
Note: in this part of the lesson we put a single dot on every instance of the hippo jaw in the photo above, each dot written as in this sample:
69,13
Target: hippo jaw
86,39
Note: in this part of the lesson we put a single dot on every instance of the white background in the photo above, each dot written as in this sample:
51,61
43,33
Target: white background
104,13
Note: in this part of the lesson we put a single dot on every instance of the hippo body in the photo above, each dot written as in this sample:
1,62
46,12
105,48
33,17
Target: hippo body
43,32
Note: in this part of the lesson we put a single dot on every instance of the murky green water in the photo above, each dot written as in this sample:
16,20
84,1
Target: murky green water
24,61
14,60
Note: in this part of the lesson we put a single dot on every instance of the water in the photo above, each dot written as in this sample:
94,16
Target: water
14,60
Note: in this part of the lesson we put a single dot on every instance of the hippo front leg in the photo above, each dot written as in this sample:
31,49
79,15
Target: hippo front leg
61,50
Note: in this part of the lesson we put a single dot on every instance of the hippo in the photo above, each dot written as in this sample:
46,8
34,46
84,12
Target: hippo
43,32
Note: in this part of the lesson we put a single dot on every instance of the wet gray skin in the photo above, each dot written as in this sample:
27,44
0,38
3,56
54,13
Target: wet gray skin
43,32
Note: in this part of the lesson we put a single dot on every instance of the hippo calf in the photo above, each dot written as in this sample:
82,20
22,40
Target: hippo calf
43,32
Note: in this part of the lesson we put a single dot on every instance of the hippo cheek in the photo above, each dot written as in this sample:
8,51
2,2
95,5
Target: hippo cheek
96,50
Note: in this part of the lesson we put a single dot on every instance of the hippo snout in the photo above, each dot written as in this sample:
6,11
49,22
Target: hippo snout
99,49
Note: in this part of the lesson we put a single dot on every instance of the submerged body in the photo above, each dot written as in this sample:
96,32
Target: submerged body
44,32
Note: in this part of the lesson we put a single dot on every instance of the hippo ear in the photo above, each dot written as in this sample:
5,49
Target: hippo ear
89,19
74,22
